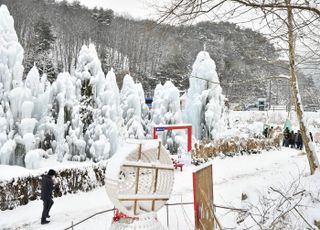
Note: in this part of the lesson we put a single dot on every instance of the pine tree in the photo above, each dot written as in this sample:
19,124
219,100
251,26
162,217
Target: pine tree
40,48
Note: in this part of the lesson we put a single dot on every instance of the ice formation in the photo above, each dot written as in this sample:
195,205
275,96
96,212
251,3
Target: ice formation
205,102
33,158
166,104
166,110
11,52
105,110
7,152
131,108
89,68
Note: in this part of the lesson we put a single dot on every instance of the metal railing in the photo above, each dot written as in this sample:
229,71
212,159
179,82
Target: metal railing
93,215
113,209
167,211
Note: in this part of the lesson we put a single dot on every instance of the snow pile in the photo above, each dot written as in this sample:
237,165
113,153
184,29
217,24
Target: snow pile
205,102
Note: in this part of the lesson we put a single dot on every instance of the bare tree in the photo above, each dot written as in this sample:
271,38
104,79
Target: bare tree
283,18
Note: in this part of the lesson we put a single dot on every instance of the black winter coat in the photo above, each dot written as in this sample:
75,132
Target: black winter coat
46,187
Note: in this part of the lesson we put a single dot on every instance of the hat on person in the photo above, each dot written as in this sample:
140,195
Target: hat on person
51,172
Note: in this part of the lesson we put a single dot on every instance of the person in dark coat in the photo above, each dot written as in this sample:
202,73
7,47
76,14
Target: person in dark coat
265,132
299,140
292,139
46,195
286,137
311,136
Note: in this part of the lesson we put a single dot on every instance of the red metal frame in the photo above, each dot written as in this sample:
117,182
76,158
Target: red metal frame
173,127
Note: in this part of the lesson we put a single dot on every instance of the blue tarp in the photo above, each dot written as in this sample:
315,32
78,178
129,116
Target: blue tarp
287,124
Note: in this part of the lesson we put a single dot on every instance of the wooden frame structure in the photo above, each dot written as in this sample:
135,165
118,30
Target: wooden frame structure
160,128
145,165
204,212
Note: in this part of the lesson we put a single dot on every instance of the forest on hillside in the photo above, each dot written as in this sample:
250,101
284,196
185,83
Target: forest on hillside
52,34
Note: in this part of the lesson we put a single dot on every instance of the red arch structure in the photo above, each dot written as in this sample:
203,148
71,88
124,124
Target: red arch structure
161,128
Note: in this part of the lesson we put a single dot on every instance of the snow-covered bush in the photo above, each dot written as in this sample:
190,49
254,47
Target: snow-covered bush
19,191
205,102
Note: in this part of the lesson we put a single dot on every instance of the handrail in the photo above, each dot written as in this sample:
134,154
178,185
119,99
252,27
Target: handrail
168,204
93,215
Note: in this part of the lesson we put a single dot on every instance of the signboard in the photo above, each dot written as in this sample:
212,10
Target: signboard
203,198
160,129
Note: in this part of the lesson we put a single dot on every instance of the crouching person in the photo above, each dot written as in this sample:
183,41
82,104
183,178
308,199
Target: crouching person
46,195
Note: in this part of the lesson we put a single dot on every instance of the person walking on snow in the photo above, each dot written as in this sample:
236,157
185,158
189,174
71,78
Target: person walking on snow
311,136
46,195
299,141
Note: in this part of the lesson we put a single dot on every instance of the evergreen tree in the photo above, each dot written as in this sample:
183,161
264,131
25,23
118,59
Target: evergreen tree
176,69
40,50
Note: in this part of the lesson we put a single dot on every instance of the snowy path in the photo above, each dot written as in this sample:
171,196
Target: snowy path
232,176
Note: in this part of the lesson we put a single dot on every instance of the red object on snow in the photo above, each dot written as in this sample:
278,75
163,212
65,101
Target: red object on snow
119,215
177,164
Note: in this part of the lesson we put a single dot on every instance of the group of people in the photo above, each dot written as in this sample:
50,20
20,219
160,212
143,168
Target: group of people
292,139
268,132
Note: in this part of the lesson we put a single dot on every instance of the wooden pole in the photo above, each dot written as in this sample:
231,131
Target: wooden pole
156,176
167,207
137,179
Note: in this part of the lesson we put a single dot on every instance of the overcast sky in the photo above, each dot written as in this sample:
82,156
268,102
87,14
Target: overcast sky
142,9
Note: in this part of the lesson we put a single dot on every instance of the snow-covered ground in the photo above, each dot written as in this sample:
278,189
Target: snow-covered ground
250,174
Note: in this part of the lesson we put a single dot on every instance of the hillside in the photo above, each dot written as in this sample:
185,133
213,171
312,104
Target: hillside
154,53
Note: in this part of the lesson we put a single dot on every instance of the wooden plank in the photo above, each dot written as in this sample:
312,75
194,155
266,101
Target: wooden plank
156,176
148,166
143,196
203,198
142,199
137,179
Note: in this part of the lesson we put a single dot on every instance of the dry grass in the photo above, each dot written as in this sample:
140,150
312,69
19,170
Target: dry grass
235,145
